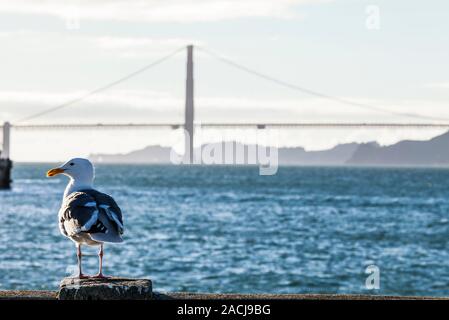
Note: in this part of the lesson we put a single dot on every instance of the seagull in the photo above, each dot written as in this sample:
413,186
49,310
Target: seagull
87,216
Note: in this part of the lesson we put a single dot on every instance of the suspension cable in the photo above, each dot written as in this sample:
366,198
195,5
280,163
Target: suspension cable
102,88
312,92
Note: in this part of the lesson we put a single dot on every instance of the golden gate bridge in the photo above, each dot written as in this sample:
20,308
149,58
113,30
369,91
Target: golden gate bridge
189,123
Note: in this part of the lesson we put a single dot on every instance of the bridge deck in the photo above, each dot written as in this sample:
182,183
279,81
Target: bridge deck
260,125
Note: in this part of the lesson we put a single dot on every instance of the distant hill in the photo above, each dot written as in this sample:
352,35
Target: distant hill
149,155
287,156
338,155
433,152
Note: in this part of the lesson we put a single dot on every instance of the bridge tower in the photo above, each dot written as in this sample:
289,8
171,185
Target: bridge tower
6,141
189,109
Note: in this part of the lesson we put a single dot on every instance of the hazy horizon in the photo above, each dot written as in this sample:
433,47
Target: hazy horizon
340,155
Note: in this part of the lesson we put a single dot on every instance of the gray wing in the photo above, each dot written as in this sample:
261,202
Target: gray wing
86,212
78,213
110,216
109,233
108,205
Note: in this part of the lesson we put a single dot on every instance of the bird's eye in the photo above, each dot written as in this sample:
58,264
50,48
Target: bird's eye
72,164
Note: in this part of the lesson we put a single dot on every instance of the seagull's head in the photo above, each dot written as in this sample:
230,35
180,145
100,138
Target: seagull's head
78,169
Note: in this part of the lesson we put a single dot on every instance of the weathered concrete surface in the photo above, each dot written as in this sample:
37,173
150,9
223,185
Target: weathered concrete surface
27,295
52,295
105,289
239,296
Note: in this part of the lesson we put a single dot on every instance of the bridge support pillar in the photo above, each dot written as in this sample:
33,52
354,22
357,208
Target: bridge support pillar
189,110
6,140
5,162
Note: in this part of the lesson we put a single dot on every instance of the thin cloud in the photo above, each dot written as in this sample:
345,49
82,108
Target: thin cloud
127,98
138,104
124,47
138,47
437,85
140,42
157,10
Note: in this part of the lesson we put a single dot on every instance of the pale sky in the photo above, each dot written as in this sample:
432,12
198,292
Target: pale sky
52,51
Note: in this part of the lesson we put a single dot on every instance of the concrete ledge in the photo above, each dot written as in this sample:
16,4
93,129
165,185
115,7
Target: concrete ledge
27,295
52,295
263,296
105,289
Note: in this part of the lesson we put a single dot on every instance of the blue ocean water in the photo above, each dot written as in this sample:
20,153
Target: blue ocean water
227,229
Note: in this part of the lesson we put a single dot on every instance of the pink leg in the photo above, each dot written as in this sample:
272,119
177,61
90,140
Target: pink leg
100,270
78,254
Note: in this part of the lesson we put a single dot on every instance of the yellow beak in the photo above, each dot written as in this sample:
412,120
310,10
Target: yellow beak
54,172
